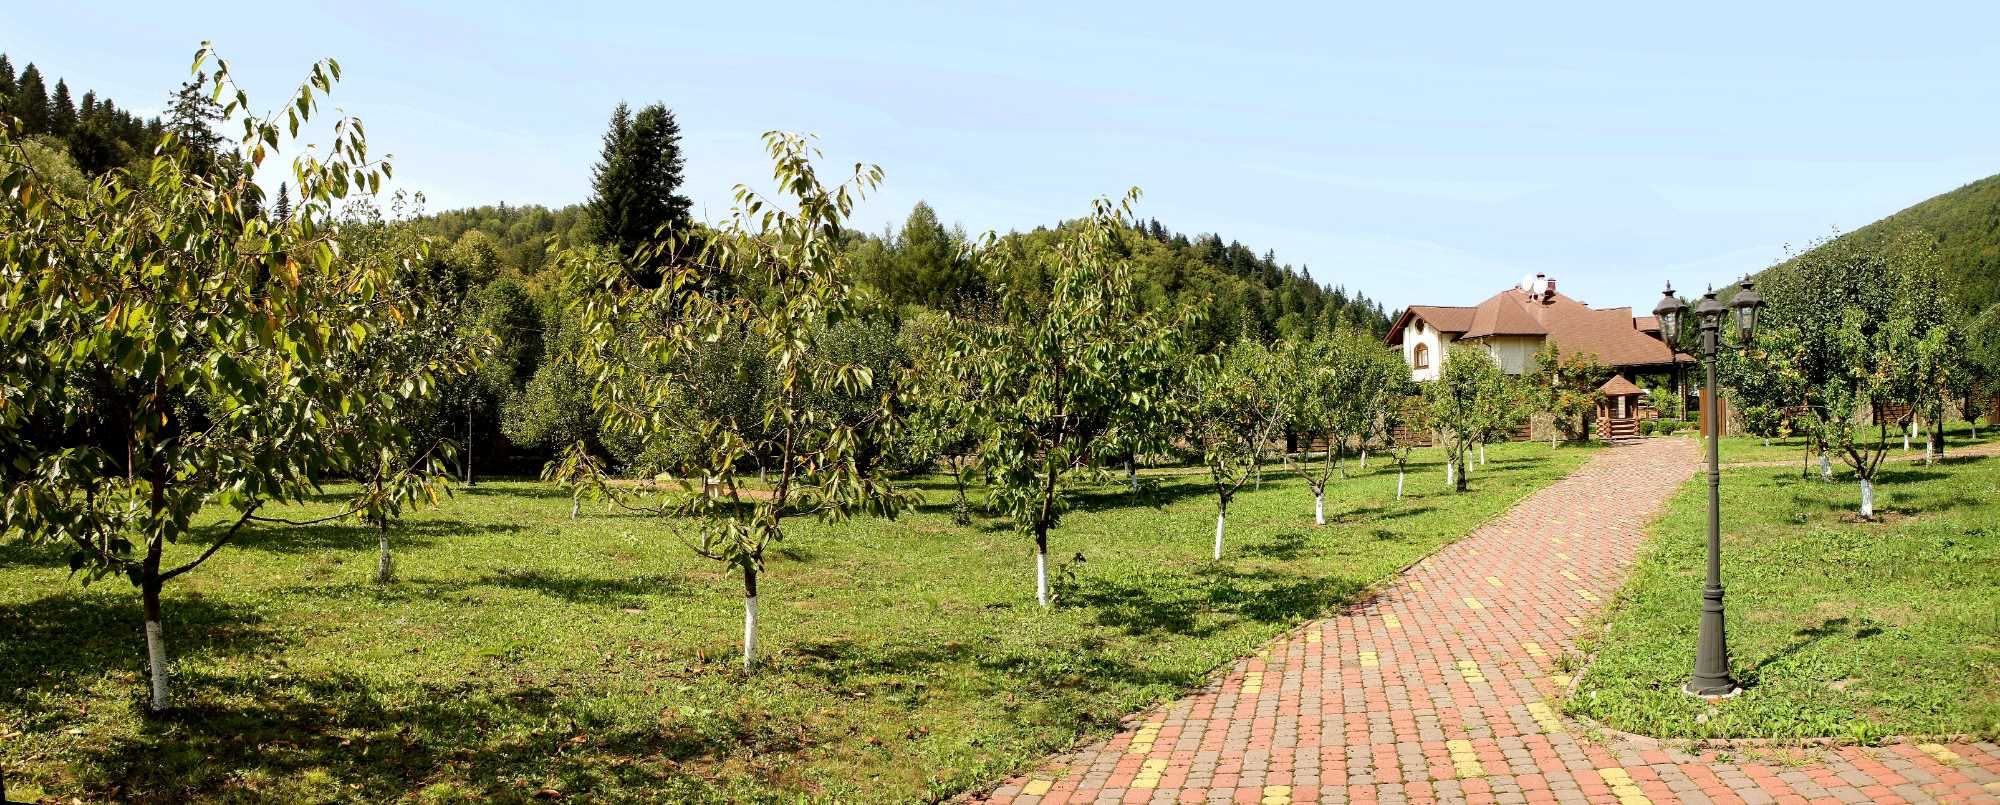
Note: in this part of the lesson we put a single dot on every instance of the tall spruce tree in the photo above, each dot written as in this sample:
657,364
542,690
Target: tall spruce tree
192,117
62,111
30,102
6,80
637,179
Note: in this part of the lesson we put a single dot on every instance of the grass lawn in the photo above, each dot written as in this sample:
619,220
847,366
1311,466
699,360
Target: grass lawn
522,651
1837,628
1750,449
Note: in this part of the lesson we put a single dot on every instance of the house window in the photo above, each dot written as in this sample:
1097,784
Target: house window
1421,358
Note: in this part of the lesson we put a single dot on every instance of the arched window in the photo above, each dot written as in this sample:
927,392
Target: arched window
1421,358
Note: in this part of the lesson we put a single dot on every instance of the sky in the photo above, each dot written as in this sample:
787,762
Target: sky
1421,153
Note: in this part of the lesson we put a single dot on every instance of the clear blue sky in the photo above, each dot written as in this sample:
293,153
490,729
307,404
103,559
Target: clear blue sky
1418,153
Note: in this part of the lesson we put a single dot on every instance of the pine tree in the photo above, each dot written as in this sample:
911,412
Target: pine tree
6,81
282,210
191,117
62,113
30,102
636,181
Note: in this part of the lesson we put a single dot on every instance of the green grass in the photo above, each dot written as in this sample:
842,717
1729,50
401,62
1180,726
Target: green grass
522,651
1751,449
1838,628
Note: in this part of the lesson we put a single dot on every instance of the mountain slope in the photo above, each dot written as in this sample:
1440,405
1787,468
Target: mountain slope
1966,224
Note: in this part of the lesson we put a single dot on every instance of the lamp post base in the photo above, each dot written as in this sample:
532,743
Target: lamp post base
1724,688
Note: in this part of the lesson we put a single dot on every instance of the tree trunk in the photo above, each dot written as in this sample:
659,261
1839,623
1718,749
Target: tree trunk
468,444
1132,474
1042,566
1825,467
1936,447
1482,454
1867,499
1399,484
575,506
1221,512
1909,433
1319,506
749,618
1364,459
156,640
1450,473
384,568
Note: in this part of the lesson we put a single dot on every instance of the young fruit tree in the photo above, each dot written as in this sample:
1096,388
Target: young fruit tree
774,275
1234,410
1462,405
1077,360
1332,388
944,405
1407,426
177,357
1564,387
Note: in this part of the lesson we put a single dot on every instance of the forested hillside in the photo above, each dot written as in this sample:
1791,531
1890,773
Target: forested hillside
1965,224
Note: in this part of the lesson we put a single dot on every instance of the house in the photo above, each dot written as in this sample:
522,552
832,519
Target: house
1514,324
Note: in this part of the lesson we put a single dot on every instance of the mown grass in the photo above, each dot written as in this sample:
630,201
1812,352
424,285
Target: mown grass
1838,628
1751,449
522,652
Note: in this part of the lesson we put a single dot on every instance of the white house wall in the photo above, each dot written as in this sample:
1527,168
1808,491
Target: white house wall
1430,337
1515,353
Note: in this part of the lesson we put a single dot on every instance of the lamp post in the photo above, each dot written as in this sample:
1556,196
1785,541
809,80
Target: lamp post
1711,660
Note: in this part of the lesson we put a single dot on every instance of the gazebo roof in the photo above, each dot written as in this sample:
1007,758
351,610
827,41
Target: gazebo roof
1618,386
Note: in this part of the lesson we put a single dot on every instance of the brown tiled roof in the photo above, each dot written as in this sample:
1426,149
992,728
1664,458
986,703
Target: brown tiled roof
1609,334
1618,386
1646,324
1442,317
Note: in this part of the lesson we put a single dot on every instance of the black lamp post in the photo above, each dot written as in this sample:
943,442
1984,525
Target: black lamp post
1711,661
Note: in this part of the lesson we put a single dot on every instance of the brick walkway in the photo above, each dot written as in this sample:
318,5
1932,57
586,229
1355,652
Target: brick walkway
1442,689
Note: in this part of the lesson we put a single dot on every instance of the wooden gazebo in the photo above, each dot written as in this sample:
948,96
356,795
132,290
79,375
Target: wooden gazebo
1618,408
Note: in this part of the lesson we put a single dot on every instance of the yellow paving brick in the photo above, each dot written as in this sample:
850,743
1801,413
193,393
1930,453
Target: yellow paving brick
1555,540
1313,636
1277,795
1561,557
1370,660
1534,650
1586,595
1470,670
1149,773
1939,753
1571,576
1573,621
1473,603
1390,621
1495,581
1417,585
1036,788
1561,680
1464,761
1545,716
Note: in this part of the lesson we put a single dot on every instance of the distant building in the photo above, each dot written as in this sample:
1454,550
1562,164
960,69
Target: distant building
1514,324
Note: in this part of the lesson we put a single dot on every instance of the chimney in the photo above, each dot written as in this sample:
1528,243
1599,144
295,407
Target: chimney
1548,290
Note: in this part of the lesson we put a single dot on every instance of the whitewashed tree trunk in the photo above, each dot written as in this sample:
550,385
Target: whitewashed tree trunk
1909,433
1930,451
1825,467
1482,454
1867,499
156,660
1042,576
575,505
1132,474
1450,472
385,570
749,632
1364,459
1219,515
1399,484
1319,506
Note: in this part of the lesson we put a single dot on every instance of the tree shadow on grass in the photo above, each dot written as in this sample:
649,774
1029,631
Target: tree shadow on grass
1207,600
584,589
56,640
380,742
1807,637
350,535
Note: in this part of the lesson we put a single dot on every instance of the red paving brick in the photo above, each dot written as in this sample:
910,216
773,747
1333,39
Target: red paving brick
1443,688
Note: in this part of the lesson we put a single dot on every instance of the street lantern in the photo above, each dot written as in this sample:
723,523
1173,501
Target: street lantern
1711,661
1746,304
1669,311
